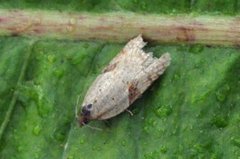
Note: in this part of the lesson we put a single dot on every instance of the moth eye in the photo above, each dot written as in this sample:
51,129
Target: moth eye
89,106
86,110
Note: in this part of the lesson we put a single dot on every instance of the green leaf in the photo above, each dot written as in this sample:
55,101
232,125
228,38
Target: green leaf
192,111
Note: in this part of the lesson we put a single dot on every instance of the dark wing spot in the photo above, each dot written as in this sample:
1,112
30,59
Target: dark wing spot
133,92
150,79
110,68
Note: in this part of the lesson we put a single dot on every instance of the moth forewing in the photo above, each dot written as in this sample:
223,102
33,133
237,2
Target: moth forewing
127,76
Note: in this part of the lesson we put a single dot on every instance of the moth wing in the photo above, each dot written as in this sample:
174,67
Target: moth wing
127,76
132,53
153,71
108,95
114,111
137,85
125,67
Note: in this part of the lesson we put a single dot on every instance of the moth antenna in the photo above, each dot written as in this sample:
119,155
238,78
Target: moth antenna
76,113
92,127
76,107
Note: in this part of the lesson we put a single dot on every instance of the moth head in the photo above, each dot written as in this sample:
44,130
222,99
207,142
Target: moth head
85,114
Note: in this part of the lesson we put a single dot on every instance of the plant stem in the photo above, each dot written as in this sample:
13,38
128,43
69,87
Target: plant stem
120,27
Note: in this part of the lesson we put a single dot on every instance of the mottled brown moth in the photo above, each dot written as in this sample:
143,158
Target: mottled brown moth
127,76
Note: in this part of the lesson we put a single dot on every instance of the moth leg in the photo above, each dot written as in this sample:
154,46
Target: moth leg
129,111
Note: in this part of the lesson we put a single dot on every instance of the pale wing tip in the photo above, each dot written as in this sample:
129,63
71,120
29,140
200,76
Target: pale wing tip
139,37
166,58
139,41
136,42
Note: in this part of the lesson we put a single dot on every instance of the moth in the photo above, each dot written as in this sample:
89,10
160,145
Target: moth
127,76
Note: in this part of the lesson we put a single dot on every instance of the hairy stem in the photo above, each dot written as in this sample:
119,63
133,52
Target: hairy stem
120,27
